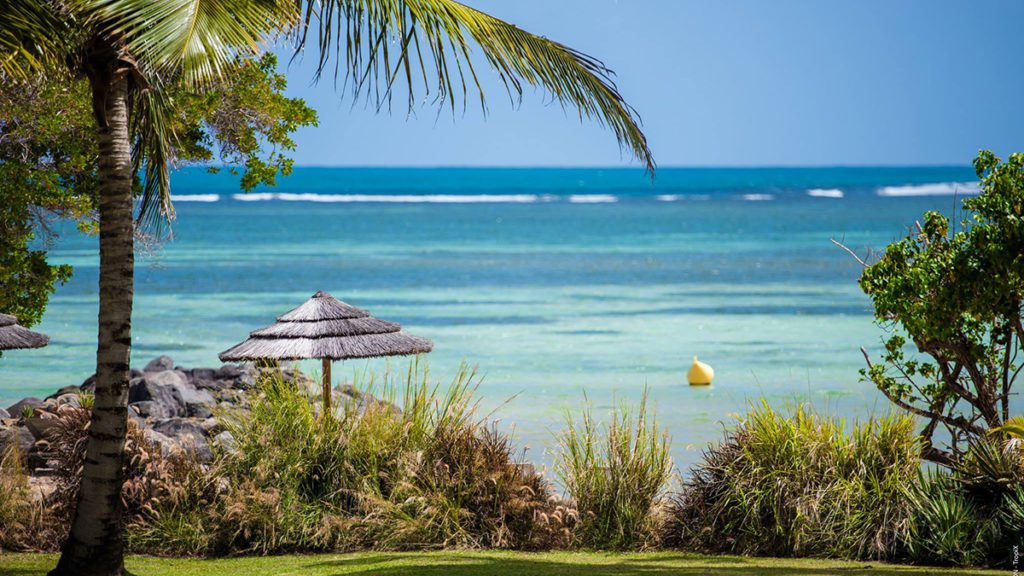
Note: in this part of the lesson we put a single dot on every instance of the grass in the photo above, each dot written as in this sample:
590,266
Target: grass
801,485
615,475
492,563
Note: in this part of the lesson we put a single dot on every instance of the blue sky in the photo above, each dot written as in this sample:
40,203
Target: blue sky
726,83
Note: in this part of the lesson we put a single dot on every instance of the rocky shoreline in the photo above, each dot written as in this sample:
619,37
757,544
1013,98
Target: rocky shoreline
173,406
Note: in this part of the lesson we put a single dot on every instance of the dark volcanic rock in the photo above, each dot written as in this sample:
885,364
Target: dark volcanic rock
188,434
159,364
40,425
18,407
152,409
72,389
16,436
205,379
163,389
199,411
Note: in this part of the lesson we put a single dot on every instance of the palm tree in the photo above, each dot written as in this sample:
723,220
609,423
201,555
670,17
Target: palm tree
132,50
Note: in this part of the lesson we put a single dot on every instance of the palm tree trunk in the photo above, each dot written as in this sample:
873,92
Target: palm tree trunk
95,545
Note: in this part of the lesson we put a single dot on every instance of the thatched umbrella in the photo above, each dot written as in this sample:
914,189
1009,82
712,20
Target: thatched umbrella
13,336
328,329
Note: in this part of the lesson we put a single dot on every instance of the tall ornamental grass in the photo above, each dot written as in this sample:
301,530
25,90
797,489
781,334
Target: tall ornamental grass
615,475
801,486
412,467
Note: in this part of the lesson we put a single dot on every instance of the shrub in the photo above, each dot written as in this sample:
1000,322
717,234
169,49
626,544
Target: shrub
800,486
615,476
372,476
974,515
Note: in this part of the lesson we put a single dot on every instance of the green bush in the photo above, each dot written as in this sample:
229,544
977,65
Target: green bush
800,486
974,515
615,475
951,294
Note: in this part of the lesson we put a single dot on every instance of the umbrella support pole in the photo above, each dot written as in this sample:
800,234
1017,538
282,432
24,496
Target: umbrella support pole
327,386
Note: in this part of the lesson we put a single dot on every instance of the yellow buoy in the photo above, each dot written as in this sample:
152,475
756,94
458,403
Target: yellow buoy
700,374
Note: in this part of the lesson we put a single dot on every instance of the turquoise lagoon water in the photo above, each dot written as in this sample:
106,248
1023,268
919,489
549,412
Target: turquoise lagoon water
554,282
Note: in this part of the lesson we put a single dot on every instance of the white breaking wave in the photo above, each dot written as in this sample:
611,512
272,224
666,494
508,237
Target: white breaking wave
668,197
398,198
758,197
592,198
936,189
825,193
195,198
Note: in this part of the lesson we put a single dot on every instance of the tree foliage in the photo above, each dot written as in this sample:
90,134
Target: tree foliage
956,295
48,158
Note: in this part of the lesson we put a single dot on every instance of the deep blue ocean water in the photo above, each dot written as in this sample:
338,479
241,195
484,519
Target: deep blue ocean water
555,282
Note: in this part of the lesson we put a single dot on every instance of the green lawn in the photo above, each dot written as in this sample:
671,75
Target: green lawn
491,563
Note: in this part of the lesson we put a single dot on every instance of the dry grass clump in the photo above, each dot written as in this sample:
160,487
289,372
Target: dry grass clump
615,475
150,480
801,486
19,513
371,476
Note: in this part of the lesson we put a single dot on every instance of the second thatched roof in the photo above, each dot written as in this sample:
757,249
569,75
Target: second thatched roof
325,327
13,336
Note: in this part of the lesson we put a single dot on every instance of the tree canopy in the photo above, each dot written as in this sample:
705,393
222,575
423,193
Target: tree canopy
48,159
954,290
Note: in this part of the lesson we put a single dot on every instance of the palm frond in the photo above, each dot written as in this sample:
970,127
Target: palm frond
433,41
152,154
194,41
1013,427
32,37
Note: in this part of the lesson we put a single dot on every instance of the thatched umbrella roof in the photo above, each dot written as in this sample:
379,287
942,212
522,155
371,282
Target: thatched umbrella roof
13,336
327,328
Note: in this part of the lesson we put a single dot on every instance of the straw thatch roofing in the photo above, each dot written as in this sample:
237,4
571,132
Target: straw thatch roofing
13,336
325,327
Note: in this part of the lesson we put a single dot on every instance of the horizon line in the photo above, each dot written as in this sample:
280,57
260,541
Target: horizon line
597,166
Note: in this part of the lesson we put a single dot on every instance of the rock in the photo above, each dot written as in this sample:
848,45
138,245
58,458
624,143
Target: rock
196,402
159,364
188,434
227,441
4,414
199,411
16,436
190,395
162,388
72,389
167,446
205,379
39,426
153,409
211,426
70,399
18,407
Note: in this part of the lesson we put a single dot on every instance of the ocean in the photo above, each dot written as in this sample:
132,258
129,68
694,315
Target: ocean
558,284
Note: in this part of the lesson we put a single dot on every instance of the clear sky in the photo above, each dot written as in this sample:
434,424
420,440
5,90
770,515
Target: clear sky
726,82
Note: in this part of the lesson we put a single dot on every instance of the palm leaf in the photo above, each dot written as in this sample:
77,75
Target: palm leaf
1013,427
192,41
152,154
433,41
32,37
